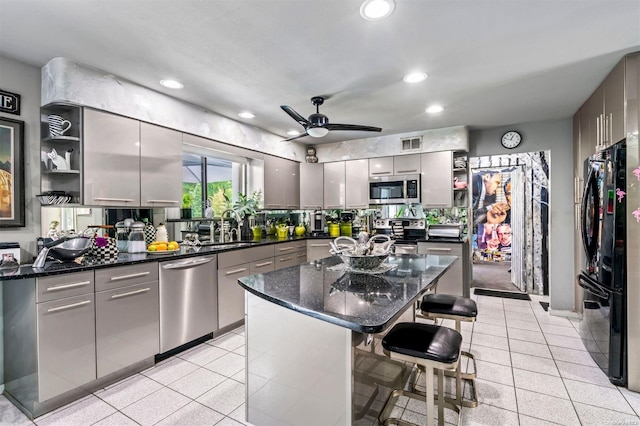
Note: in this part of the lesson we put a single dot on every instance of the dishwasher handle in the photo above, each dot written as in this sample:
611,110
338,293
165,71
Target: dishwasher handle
188,263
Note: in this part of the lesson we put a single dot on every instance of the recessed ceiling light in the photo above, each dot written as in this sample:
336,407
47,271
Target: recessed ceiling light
373,10
414,77
293,133
434,109
247,114
172,84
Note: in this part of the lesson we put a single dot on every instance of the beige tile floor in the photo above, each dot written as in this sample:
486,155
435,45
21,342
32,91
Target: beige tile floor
532,370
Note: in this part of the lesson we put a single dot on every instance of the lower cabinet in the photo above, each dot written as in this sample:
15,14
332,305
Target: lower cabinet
456,280
290,254
66,346
318,249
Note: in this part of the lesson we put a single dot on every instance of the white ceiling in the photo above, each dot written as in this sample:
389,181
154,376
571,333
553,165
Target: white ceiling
490,63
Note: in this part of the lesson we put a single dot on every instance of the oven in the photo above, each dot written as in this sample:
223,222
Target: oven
394,189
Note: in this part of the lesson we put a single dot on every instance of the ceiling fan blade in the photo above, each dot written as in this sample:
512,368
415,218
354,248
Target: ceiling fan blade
295,137
300,119
335,126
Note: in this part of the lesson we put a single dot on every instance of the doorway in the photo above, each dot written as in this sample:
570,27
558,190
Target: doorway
510,202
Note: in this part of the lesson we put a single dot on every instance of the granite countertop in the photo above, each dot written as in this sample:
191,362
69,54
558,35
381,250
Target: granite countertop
364,303
55,268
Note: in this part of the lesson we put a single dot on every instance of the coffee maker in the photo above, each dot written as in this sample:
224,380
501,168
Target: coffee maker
318,223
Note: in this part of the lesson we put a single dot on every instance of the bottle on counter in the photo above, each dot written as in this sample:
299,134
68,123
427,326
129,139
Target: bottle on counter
136,238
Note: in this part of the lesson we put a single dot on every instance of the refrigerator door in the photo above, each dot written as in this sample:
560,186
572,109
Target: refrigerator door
590,219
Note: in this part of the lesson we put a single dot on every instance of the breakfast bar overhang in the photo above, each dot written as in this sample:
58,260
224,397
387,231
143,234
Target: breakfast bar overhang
312,338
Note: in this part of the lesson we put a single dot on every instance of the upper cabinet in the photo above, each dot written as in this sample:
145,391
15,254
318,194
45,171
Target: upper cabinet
437,179
382,166
281,183
111,159
130,163
406,164
334,185
311,185
160,166
356,184
61,154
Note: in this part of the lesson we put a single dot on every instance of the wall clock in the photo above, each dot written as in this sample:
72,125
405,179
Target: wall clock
511,139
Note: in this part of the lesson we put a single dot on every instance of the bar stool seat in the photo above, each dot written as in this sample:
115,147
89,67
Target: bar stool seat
445,306
434,348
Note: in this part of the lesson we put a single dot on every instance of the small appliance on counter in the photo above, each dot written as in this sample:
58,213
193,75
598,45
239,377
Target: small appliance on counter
9,252
318,224
445,231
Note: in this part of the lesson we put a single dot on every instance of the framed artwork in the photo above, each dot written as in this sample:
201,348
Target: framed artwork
12,185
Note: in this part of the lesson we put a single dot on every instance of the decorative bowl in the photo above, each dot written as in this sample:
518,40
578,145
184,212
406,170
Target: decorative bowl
362,256
70,249
370,261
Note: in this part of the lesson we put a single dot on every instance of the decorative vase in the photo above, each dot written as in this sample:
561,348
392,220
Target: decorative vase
149,233
185,213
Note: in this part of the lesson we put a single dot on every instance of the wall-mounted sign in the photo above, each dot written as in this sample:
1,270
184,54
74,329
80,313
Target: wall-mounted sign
9,102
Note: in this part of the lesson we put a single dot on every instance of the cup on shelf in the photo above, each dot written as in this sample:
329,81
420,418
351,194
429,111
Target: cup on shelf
58,125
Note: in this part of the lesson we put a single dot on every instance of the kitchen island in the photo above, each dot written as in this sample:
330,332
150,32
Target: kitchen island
313,338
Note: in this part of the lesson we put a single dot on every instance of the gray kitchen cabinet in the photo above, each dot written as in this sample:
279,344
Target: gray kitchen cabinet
437,179
406,164
311,186
318,249
334,185
66,337
381,166
111,166
160,166
457,279
127,316
281,183
356,184
231,266
290,253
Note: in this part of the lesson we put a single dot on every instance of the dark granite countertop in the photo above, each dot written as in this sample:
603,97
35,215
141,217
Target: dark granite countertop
361,302
55,268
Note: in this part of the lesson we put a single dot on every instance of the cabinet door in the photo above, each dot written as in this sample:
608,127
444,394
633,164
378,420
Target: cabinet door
614,104
160,166
127,326
317,249
452,282
594,116
231,294
356,184
290,184
437,179
262,266
406,164
311,186
66,345
382,166
273,181
111,168
334,185
289,259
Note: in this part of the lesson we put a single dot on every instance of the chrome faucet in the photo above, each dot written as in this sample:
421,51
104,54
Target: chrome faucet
238,230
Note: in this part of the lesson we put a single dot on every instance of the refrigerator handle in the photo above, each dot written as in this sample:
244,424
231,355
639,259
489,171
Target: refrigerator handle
591,190
592,287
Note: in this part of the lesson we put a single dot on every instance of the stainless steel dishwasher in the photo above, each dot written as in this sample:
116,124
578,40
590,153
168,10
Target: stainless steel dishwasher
188,300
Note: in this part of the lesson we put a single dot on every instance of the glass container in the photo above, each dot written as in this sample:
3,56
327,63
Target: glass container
136,238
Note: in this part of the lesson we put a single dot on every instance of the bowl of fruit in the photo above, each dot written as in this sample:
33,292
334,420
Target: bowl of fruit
163,247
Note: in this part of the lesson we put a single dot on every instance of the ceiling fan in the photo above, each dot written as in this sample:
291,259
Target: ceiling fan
318,124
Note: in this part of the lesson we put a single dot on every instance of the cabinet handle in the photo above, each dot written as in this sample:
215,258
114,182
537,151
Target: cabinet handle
437,204
295,206
319,245
408,171
336,206
302,255
359,206
126,200
380,173
611,127
260,265
126,277
285,248
66,286
284,259
162,201
438,249
235,271
188,263
273,205
131,293
73,305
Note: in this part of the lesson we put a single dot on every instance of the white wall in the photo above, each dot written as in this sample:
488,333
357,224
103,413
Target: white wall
24,80
556,136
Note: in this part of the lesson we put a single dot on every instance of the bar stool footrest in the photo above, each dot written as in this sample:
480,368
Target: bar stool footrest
465,376
385,419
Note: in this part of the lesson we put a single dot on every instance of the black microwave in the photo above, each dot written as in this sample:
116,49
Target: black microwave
394,189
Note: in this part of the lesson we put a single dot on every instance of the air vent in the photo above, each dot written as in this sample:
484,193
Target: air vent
411,144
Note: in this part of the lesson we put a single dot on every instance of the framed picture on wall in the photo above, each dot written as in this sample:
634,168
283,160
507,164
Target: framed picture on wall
12,184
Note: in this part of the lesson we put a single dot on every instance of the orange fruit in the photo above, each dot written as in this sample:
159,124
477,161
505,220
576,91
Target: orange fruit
162,247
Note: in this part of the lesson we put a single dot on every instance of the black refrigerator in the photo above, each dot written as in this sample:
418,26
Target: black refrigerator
604,276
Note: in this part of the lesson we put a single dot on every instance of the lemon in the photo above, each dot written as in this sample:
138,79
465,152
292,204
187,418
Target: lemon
152,247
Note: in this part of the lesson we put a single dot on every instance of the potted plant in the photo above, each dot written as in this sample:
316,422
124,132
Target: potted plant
187,202
245,206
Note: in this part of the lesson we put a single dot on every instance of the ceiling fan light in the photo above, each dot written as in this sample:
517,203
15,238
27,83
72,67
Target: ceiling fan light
373,10
433,109
293,133
415,77
317,132
247,114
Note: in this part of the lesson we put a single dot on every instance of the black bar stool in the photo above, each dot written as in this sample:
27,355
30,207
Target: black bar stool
446,306
432,347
